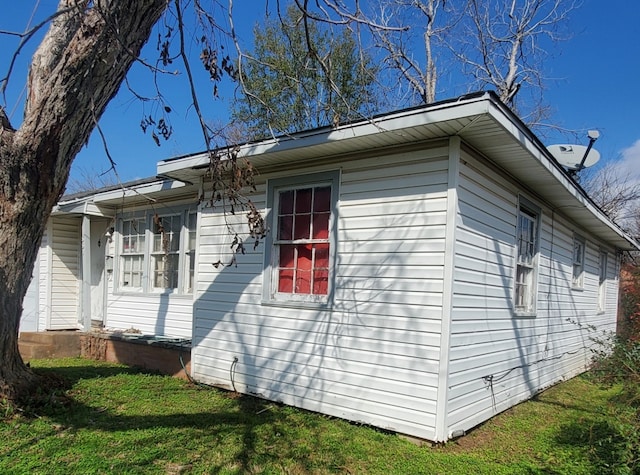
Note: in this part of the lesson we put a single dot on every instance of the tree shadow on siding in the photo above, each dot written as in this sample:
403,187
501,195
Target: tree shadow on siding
528,353
327,360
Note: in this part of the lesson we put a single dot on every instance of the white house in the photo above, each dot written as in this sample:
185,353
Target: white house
422,271
92,265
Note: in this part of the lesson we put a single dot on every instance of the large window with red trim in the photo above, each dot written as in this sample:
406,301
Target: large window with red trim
302,240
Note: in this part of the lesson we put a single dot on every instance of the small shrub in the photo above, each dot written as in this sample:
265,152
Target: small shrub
615,443
619,362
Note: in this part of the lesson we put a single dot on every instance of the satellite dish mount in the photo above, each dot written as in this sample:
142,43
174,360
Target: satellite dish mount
576,157
593,136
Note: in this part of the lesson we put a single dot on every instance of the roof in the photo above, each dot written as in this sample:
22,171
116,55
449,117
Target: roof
105,201
480,119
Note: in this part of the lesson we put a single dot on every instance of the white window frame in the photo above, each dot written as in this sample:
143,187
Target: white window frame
164,249
149,253
577,262
602,281
270,293
527,252
127,255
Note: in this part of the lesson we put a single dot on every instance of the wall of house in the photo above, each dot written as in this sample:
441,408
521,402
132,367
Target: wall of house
64,292
44,279
374,356
35,301
498,359
160,314
167,314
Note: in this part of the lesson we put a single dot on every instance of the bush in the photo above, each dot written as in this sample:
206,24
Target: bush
615,443
619,363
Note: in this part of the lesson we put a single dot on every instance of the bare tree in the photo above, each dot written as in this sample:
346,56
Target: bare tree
89,180
404,21
504,44
616,195
75,71
78,67
488,43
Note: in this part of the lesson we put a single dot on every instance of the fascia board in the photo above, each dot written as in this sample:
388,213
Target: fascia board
543,157
394,122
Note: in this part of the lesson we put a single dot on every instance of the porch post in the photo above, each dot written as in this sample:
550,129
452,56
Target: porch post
85,292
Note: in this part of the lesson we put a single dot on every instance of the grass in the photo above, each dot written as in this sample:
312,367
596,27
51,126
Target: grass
114,419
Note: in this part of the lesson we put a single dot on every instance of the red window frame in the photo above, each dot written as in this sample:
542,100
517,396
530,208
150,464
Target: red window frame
303,240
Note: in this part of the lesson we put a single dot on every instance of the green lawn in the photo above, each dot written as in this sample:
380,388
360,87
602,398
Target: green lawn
115,419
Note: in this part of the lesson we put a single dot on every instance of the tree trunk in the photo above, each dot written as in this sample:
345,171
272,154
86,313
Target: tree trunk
75,72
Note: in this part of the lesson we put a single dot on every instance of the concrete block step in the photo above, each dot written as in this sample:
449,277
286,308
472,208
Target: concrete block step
34,345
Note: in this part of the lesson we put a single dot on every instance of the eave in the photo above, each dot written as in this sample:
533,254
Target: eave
480,120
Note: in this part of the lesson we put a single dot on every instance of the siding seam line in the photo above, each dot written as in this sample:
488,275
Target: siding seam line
447,297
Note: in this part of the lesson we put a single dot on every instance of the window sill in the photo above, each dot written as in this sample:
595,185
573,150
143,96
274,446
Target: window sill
517,314
140,293
297,304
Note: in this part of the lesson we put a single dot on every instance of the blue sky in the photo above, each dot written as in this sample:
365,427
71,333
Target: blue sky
594,86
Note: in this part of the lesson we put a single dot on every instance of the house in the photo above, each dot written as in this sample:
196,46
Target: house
421,271
77,285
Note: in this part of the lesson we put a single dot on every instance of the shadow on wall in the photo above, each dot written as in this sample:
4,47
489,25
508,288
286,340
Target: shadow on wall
380,336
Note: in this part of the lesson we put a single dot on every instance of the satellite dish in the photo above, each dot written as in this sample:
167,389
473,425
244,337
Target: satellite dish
571,156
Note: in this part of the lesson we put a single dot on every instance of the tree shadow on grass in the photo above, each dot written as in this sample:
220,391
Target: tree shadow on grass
610,444
255,425
73,373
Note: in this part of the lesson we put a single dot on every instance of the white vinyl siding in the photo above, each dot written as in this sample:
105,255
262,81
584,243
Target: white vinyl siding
45,278
497,360
159,313
374,355
65,274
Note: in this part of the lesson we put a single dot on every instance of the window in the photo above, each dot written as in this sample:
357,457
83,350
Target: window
602,281
190,252
132,253
527,248
577,279
165,255
164,262
302,243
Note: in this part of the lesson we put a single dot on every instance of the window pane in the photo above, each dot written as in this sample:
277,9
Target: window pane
303,200
303,282
522,287
322,256
286,202
157,243
140,243
322,199
302,226
165,271
190,257
287,257
191,226
321,226
285,227
303,261
320,282
285,280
